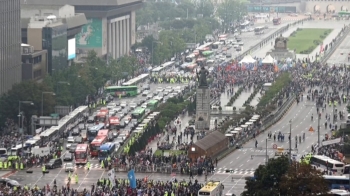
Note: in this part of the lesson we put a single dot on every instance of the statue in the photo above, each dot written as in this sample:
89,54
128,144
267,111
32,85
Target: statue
202,77
281,42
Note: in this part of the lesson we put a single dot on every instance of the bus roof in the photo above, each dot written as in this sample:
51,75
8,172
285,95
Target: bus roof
335,177
118,87
210,186
106,146
153,101
261,27
328,159
168,64
96,127
138,110
102,132
81,147
98,139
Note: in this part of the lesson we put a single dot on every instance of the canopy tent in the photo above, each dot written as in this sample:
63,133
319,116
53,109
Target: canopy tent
238,129
234,132
244,126
247,59
248,123
228,134
252,120
268,60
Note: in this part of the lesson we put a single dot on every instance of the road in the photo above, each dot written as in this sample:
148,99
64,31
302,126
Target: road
341,54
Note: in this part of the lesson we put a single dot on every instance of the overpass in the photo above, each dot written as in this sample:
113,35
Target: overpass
110,28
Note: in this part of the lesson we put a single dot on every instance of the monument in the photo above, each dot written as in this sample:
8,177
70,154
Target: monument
203,101
280,50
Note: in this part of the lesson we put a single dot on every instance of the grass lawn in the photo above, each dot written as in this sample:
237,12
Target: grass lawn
169,152
306,40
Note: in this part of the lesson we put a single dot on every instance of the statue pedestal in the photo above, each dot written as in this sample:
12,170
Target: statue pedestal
202,108
280,54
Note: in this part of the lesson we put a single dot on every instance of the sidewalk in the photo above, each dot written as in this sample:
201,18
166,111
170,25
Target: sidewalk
242,98
184,123
255,100
225,98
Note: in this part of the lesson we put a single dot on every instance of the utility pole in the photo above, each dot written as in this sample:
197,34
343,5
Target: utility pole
318,130
267,158
290,141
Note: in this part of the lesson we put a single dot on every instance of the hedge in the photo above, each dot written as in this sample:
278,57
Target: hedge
235,96
281,81
252,96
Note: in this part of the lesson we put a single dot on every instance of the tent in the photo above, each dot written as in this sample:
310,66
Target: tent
268,60
252,120
238,129
228,134
248,59
248,123
244,126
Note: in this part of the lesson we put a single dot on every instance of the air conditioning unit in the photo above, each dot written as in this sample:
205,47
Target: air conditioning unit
27,49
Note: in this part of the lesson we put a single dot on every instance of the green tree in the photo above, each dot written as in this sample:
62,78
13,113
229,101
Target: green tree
205,8
267,178
303,179
231,11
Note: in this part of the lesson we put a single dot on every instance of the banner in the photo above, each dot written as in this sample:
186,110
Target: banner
132,179
111,176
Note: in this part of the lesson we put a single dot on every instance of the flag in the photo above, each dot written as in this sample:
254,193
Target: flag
111,176
132,179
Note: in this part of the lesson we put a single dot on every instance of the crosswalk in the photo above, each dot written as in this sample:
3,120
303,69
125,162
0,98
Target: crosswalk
232,171
256,150
92,166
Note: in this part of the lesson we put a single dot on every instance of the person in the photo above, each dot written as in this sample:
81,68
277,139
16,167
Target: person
43,168
312,117
256,143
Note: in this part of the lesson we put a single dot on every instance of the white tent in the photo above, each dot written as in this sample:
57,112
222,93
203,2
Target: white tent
248,123
238,129
268,60
248,59
244,126
228,134
252,120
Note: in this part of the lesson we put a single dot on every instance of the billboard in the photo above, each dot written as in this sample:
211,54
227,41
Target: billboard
71,49
91,34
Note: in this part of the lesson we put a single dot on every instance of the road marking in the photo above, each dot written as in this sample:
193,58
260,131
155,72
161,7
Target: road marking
237,158
56,175
241,165
84,178
231,162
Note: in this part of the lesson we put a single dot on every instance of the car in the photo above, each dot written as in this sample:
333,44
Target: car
115,133
121,114
144,105
160,89
111,105
132,105
236,46
241,43
123,104
145,93
238,49
81,126
90,120
68,156
70,141
69,167
78,139
244,30
73,147
75,132
238,39
146,87
118,109
54,163
228,55
149,96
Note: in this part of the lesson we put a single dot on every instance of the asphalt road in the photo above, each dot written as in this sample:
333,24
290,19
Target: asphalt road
341,54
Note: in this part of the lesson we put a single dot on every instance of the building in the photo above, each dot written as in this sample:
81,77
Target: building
52,28
10,44
34,63
110,30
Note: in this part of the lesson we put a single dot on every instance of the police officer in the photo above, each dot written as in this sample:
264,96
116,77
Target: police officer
88,165
43,168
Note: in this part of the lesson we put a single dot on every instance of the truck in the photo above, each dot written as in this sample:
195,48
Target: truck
43,151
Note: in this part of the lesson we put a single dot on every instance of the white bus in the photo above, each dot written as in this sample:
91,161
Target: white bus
211,188
327,163
3,152
216,45
259,30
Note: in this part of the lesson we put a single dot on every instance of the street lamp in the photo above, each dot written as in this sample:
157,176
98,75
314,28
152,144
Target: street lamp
42,101
19,117
290,141
153,47
61,82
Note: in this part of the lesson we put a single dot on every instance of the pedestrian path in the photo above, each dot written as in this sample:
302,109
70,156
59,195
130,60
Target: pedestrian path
225,98
242,98
233,171
255,100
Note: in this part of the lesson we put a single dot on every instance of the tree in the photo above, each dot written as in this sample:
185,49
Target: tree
267,177
231,11
205,7
303,179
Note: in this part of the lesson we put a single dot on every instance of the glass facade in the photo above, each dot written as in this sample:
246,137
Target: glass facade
10,44
268,9
56,42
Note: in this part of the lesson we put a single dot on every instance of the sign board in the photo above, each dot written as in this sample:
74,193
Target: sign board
63,110
329,142
311,129
48,121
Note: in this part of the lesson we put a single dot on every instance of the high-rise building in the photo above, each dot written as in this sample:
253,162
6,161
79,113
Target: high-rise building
10,44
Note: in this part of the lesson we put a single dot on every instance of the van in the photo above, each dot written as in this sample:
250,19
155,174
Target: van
54,163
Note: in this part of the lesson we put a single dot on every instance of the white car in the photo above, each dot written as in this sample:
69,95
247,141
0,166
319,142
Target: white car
145,93
160,89
123,104
111,105
69,167
132,105
70,141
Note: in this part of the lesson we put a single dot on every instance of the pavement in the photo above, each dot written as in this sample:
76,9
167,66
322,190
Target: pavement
342,53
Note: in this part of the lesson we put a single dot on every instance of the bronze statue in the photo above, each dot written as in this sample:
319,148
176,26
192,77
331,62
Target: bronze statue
202,77
281,42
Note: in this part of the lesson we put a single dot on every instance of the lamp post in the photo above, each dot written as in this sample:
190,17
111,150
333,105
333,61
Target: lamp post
290,141
318,130
61,82
42,101
19,117
153,47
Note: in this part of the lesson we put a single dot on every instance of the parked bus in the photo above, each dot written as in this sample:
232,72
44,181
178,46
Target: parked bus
106,150
276,21
152,104
96,143
259,30
337,182
3,152
139,113
211,188
123,91
81,154
92,131
107,133
327,163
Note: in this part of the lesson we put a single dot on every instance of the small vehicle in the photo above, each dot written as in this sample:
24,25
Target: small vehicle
68,156
70,141
54,163
69,167
9,182
73,147
75,132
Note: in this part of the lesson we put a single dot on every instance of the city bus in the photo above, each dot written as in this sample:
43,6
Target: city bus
92,131
81,154
216,45
3,152
106,150
259,30
337,182
114,122
96,143
211,188
344,13
123,91
107,133
137,80
207,53
190,58
152,104
276,21
139,113
327,163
